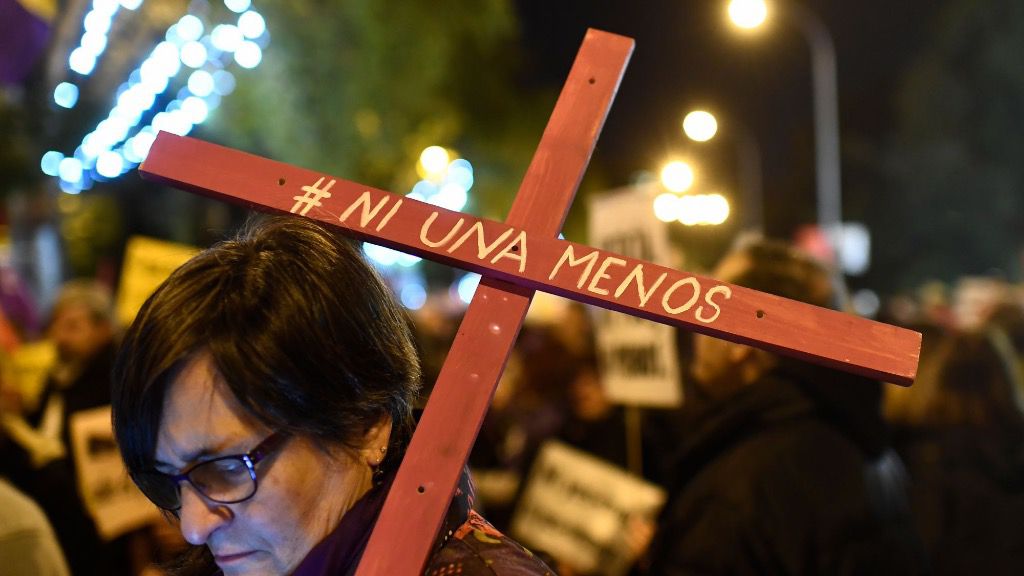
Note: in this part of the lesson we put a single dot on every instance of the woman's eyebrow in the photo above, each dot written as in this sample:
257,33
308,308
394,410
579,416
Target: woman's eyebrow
188,459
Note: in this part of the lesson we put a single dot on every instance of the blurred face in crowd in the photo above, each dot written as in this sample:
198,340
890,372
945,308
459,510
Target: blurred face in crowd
77,333
589,401
720,367
304,488
717,365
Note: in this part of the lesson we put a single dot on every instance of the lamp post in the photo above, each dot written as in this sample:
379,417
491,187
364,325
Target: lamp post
702,126
752,13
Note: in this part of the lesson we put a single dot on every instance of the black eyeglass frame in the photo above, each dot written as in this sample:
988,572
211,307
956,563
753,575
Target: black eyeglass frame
250,459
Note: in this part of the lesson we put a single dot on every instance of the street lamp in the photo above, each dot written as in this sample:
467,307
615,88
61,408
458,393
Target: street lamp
702,210
701,126
744,14
748,13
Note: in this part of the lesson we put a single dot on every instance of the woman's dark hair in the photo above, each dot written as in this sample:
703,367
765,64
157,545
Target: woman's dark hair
304,333
972,384
778,268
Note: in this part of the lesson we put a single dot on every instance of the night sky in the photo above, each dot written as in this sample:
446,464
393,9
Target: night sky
688,55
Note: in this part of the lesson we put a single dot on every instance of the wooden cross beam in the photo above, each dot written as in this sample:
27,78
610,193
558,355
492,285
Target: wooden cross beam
516,258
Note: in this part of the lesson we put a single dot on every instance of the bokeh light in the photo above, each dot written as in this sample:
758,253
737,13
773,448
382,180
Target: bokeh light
700,126
433,161
248,55
65,95
748,13
237,6
193,54
189,28
677,176
666,207
703,210
50,163
200,83
466,286
252,24
413,295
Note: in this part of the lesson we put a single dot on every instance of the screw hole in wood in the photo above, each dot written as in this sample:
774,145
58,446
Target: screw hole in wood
760,313
280,181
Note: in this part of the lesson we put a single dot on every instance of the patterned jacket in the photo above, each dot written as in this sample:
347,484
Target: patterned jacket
467,545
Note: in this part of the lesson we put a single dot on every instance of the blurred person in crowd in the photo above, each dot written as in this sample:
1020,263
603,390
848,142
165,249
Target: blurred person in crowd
784,467
263,398
83,328
1008,317
975,297
528,407
963,441
594,423
899,401
575,329
51,485
597,426
434,327
37,452
27,543
935,306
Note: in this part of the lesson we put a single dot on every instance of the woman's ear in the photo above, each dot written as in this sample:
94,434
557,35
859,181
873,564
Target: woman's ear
375,442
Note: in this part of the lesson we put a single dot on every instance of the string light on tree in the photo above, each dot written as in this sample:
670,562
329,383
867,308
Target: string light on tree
121,140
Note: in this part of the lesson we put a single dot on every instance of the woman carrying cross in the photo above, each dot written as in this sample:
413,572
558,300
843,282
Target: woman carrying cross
263,398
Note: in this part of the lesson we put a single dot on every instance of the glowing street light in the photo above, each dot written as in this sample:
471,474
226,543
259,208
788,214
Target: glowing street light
677,176
700,125
666,207
703,210
744,13
748,13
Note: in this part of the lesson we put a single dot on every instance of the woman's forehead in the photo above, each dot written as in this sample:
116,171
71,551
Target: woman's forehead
201,414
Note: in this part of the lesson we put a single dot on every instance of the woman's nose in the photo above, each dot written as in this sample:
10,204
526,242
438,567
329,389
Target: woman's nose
199,517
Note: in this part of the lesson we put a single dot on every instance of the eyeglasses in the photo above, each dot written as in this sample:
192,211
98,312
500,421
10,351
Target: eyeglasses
226,480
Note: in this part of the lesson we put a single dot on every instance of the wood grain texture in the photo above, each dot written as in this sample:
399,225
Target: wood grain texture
462,394
819,335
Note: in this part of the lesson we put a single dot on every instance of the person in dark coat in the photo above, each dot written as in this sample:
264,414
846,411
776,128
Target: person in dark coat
782,467
962,437
83,329
263,398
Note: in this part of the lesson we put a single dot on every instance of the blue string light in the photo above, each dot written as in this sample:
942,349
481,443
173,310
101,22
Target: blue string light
65,95
188,56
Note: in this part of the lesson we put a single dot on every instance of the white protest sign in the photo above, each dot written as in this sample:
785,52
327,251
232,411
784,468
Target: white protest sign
111,497
577,508
639,360
147,263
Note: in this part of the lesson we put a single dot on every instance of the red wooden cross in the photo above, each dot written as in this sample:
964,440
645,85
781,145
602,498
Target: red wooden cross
515,258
